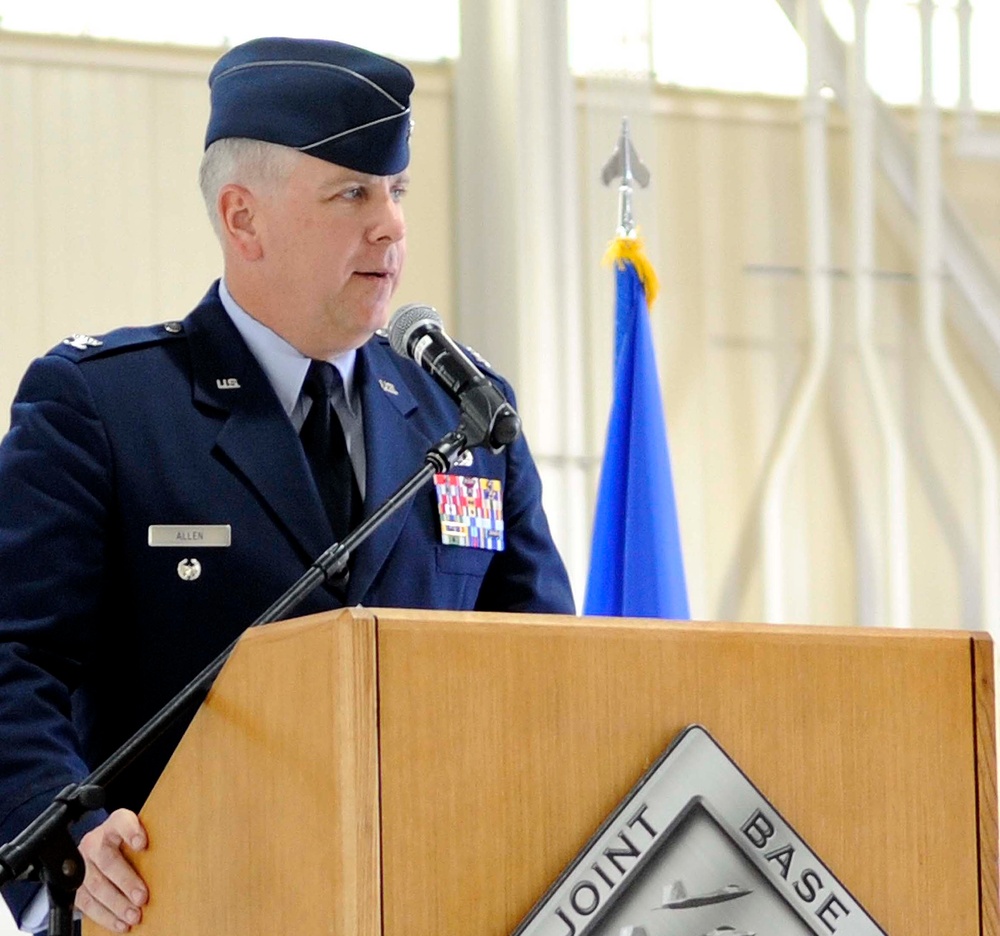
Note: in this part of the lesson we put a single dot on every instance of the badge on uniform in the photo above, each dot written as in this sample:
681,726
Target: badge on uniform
471,511
82,342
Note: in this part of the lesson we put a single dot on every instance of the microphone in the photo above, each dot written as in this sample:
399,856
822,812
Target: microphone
415,331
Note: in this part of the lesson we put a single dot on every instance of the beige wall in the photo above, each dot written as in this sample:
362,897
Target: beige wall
101,224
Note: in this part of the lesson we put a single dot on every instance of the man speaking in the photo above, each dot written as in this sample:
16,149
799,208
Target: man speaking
161,486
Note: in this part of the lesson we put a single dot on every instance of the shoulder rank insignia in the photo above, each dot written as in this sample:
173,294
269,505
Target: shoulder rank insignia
388,387
480,358
82,342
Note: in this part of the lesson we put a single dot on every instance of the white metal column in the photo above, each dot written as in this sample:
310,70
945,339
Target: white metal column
818,275
897,601
932,323
517,251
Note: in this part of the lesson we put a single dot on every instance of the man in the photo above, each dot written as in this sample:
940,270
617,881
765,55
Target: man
155,492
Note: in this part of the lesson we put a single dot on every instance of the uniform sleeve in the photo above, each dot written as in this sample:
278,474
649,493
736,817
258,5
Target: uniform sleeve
55,483
529,574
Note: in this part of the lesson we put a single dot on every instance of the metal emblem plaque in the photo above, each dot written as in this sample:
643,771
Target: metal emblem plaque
696,850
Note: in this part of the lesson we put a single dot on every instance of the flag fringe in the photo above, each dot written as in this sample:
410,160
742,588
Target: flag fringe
624,250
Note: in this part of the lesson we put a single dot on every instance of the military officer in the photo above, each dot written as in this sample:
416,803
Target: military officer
160,486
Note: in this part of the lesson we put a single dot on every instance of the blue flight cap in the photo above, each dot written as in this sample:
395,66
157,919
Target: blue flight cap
327,99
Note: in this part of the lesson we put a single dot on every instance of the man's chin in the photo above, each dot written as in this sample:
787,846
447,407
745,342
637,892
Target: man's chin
371,323
380,315
364,317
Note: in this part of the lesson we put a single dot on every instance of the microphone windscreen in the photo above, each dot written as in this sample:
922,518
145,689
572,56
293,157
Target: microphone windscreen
405,319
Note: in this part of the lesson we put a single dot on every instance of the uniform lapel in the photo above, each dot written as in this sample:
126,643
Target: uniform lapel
394,450
256,439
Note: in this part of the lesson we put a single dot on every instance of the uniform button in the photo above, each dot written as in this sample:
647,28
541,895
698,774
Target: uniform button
175,328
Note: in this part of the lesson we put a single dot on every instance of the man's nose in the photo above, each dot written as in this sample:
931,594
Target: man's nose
388,223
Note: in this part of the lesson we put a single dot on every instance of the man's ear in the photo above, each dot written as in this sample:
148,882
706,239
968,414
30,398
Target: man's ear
237,209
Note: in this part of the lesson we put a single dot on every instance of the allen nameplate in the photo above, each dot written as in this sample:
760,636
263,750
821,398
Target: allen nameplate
696,850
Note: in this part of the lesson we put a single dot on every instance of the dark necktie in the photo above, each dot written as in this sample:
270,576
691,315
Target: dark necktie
323,442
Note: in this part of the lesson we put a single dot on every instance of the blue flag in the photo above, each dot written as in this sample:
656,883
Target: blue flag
636,567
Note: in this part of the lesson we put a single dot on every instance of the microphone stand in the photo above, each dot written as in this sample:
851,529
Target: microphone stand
45,851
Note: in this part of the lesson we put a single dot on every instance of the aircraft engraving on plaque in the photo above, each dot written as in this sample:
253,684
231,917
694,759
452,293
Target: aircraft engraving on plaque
696,850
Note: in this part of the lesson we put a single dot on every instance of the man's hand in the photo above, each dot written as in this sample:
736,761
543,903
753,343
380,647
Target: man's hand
112,892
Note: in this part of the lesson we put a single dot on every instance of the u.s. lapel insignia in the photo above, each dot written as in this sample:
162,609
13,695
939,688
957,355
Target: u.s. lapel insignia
227,383
471,511
388,386
82,342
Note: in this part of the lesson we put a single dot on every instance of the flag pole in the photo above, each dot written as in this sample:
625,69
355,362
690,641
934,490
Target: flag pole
627,247
636,568
625,164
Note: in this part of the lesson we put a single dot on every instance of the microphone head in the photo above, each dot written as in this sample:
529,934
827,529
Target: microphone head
406,319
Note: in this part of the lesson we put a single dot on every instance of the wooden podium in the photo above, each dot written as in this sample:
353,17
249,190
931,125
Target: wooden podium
411,773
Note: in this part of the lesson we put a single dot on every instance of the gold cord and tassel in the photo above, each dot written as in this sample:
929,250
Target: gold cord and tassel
624,250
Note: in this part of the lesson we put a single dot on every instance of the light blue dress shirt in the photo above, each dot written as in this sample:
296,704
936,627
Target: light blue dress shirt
286,368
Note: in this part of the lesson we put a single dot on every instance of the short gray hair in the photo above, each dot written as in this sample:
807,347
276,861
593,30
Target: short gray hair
240,161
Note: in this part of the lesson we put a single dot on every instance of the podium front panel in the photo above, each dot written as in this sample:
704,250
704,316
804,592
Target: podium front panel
506,740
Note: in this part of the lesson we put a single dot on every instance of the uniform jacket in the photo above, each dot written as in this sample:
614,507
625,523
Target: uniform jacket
177,424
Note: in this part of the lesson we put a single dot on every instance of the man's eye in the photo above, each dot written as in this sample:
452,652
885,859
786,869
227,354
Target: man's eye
352,194
398,192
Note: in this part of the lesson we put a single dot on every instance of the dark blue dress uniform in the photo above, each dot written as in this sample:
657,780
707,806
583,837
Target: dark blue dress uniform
178,424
